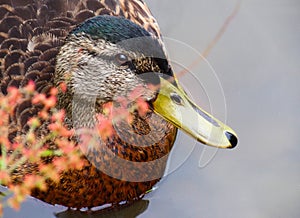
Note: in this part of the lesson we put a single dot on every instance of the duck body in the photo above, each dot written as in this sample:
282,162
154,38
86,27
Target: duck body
101,50
33,33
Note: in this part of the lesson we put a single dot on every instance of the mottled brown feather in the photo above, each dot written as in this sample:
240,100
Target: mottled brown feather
31,34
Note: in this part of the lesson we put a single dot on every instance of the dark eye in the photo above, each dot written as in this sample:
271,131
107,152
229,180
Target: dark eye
176,98
121,58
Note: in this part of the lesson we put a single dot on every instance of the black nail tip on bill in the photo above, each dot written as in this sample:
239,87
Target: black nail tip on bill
232,139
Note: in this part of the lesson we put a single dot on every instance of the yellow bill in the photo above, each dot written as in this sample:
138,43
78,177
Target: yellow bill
174,105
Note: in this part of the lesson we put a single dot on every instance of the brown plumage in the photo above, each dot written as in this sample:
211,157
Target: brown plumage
31,34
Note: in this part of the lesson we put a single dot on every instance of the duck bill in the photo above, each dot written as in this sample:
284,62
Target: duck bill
174,105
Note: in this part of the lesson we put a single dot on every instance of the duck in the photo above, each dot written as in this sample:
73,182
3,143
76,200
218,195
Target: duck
101,50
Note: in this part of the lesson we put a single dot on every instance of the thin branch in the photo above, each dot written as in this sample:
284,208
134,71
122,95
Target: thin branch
215,40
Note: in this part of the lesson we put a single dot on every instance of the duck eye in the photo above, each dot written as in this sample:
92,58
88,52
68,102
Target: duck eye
176,98
121,58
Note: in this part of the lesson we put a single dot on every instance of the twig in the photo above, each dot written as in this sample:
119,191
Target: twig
215,39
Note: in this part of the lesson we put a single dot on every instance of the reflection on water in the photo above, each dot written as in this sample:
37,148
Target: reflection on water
33,208
130,211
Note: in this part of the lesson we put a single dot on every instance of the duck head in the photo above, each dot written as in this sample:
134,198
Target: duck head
108,57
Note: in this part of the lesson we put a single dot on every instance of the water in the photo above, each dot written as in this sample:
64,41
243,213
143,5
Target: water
257,63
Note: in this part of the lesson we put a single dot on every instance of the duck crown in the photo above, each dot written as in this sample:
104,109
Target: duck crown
110,28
